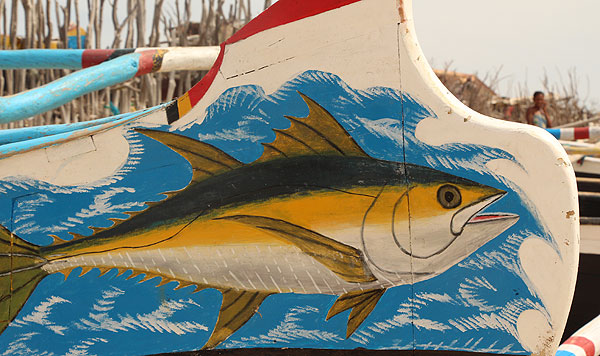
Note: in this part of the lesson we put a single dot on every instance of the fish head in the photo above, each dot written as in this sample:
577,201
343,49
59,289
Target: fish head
441,211
437,220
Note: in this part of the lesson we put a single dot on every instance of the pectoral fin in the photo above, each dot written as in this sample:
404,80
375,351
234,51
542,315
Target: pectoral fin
362,304
343,260
236,309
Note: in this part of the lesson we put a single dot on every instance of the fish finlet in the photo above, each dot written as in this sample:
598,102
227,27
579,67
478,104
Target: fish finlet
104,271
57,240
84,271
67,272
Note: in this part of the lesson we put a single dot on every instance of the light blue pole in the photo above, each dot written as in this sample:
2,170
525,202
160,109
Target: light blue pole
41,59
62,91
555,133
60,134
30,133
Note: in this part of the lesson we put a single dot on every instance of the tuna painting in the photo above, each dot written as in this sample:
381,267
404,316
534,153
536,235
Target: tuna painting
317,190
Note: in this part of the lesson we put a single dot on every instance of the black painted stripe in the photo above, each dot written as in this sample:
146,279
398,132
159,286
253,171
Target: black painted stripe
120,52
261,182
172,112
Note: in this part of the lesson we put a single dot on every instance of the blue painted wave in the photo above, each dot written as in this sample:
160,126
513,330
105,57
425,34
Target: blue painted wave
472,306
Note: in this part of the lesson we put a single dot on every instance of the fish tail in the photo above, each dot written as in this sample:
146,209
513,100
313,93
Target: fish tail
20,272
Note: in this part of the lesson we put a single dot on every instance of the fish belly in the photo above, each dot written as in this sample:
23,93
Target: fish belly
272,268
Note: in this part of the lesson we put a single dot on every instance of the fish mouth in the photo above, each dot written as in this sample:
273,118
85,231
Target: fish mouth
482,218
468,215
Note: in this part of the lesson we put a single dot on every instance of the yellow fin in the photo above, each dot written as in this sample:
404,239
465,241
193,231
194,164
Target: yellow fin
85,270
76,236
206,160
57,240
116,221
345,261
104,270
182,285
147,277
133,274
362,304
236,309
97,229
165,280
67,272
317,134
199,288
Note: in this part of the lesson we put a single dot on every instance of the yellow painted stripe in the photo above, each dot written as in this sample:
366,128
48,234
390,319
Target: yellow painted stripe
184,104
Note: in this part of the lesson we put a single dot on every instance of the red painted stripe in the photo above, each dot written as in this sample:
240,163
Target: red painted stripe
197,91
581,132
92,57
586,344
486,217
146,62
284,12
280,13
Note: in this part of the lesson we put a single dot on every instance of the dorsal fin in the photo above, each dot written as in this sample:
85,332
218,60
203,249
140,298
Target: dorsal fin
206,160
317,134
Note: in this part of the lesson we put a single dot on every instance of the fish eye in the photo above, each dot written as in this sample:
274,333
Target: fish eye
449,196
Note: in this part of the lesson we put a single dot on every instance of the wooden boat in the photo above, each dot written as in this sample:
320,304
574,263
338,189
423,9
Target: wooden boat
312,205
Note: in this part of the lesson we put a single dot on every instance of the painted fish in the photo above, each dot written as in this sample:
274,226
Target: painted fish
314,214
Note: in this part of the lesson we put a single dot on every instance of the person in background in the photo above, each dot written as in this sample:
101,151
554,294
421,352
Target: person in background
537,114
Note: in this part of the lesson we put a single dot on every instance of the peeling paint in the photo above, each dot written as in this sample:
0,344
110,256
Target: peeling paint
401,11
561,162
